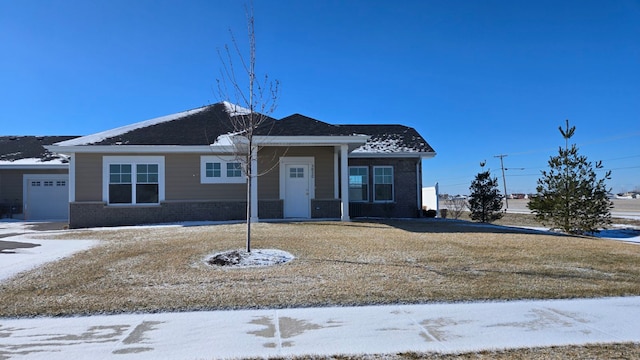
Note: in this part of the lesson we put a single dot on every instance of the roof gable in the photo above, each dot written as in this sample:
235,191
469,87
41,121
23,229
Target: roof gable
201,126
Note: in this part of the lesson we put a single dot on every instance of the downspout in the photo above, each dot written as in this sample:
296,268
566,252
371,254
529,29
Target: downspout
72,183
344,182
419,185
336,176
72,177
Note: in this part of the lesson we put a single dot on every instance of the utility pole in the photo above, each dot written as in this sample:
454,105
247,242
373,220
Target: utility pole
504,182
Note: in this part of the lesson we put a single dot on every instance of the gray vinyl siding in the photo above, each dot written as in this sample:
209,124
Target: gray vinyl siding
269,171
324,173
12,181
88,177
182,179
269,180
11,186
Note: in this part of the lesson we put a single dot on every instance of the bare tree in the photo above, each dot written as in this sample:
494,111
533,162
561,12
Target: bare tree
456,206
251,100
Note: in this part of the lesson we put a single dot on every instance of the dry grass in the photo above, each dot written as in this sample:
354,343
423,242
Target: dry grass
355,263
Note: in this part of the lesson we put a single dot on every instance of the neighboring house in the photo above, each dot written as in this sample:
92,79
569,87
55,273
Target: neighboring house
181,167
33,181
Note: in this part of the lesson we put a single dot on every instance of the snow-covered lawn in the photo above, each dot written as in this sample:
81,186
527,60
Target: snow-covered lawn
21,250
163,268
385,254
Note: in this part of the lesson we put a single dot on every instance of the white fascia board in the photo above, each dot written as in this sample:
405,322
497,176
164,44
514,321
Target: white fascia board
225,149
311,140
393,155
121,149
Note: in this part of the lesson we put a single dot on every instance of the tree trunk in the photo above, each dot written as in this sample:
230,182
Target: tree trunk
249,209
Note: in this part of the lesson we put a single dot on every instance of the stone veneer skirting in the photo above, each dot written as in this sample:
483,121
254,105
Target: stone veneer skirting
96,214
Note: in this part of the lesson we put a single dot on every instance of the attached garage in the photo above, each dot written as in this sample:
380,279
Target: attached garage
46,197
34,183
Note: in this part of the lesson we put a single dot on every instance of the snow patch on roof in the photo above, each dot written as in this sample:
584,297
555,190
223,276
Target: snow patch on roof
385,146
235,110
10,155
98,137
62,160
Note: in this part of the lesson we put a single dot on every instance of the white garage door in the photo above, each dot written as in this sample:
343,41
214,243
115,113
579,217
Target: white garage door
46,197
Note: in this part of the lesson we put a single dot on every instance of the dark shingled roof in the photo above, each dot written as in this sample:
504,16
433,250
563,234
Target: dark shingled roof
29,147
299,125
402,137
200,128
204,125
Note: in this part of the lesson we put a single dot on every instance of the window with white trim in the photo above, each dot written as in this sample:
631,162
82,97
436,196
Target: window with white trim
358,183
220,170
234,170
147,184
383,183
133,180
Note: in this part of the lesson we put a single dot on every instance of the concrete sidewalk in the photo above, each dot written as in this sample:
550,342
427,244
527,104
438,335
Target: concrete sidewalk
448,328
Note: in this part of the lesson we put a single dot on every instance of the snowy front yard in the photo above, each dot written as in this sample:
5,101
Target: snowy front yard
164,268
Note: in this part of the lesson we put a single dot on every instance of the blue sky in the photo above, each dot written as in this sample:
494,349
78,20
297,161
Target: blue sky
475,78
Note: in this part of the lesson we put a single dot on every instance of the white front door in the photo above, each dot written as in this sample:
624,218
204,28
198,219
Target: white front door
296,199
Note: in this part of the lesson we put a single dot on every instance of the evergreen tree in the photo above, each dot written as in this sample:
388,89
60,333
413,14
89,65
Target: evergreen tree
569,196
485,201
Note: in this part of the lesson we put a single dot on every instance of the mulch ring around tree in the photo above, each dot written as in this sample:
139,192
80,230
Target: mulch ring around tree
255,258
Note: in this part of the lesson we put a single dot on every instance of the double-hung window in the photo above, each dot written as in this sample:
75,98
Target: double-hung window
133,180
120,184
147,183
358,183
220,170
383,183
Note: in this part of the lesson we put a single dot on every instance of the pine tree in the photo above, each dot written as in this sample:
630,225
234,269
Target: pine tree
569,196
485,201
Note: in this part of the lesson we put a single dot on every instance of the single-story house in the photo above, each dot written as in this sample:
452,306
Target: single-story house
33,180
185,167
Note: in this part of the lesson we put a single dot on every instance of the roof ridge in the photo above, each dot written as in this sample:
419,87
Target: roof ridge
102,135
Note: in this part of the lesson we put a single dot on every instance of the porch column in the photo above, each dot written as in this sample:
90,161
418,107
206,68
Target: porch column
254,184
336,171
72,178
344,182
